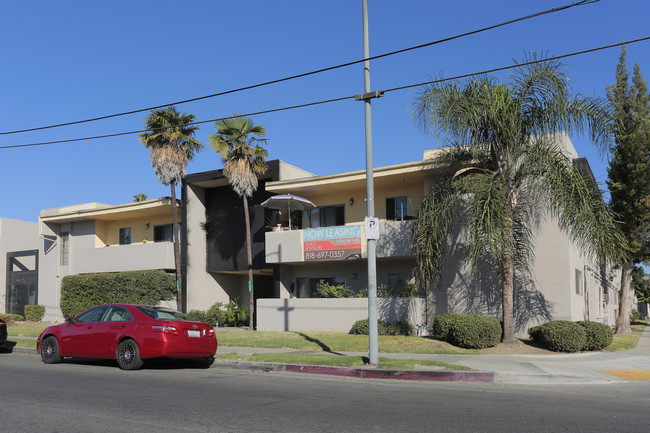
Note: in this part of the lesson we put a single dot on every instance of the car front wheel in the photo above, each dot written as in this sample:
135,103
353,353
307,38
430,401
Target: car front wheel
50,351
128,355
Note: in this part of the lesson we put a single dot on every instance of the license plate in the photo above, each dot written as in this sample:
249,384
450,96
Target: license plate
193,334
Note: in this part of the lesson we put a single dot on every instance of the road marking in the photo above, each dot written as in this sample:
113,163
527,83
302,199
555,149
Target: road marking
630,374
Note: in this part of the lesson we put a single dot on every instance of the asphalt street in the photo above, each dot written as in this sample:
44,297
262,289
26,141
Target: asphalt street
86,396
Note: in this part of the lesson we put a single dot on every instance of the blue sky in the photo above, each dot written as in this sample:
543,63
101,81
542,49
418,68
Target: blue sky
72,60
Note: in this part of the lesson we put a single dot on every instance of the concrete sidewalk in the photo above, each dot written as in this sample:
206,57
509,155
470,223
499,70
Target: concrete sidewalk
577,368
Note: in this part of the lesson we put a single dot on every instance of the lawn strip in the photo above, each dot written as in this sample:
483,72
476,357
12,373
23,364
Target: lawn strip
340,361
336,342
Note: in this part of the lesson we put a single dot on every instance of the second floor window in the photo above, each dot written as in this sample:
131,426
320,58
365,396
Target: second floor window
396,208
125,236
326,216
164,233
65,248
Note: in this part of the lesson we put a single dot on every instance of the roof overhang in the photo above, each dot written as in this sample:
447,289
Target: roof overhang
96,211
355,180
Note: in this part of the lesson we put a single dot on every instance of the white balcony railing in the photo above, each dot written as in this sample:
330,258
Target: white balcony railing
118,258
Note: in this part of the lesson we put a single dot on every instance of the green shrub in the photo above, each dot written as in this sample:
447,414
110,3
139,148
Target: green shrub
231,314
11,318
441,325
80,292
563,336
326,290
34,313
598,335
361,327
384,291
635,315
474,332
199,316
400,327
534,334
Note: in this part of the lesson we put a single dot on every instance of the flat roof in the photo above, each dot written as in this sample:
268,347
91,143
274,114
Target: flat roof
101,211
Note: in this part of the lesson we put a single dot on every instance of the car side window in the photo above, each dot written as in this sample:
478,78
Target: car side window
117,314
93,315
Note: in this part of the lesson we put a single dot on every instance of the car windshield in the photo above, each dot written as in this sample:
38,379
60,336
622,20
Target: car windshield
165,313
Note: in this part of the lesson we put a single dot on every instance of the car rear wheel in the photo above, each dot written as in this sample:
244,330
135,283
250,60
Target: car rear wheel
128,355
50,351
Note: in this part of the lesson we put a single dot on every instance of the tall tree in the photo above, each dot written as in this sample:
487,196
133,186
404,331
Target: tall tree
170,138
629,174
238,142
504,167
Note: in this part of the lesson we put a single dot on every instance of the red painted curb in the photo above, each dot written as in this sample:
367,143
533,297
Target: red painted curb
363,373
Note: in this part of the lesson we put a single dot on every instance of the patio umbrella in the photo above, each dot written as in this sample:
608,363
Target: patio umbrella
288,201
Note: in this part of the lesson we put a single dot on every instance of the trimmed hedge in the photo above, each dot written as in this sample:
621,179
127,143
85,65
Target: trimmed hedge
566,336
80,292
400,327
34,313
469,332
442,324
475,332
562,336
599,335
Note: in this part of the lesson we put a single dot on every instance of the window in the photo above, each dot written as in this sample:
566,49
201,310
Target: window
164,233
326,216
65,248
396,208
125,236
116,313
307,286
579,282
164,313
397,281
91,316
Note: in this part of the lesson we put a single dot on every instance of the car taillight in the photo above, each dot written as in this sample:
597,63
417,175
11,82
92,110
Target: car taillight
166,329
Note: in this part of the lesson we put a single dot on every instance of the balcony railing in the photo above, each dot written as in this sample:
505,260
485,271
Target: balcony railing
118,258
289,246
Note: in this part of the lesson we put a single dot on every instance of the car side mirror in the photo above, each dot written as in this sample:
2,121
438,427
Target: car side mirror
69,319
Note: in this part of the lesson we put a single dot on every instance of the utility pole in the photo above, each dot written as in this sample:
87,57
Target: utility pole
373,345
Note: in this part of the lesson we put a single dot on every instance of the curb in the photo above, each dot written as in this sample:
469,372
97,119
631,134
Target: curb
361,373
367,373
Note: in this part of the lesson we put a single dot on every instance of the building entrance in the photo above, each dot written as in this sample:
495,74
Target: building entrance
22,281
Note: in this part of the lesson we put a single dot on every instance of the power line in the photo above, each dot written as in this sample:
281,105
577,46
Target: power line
326,101
518,65
317,71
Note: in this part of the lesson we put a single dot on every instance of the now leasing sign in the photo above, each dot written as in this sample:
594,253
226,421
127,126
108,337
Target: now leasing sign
332,243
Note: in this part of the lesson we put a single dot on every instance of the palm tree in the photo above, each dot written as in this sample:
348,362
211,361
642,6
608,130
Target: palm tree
171,142
140,197
237,141
505,170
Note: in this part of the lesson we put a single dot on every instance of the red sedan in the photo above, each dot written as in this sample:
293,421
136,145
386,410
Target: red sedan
129,334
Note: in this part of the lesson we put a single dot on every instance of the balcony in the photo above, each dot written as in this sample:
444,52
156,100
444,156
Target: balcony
118,258
289,246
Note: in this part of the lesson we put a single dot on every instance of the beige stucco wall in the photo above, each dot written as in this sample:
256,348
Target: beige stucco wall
335,315
139,229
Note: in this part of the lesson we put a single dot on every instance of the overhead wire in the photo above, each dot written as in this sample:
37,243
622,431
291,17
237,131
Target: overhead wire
326,101
305,74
